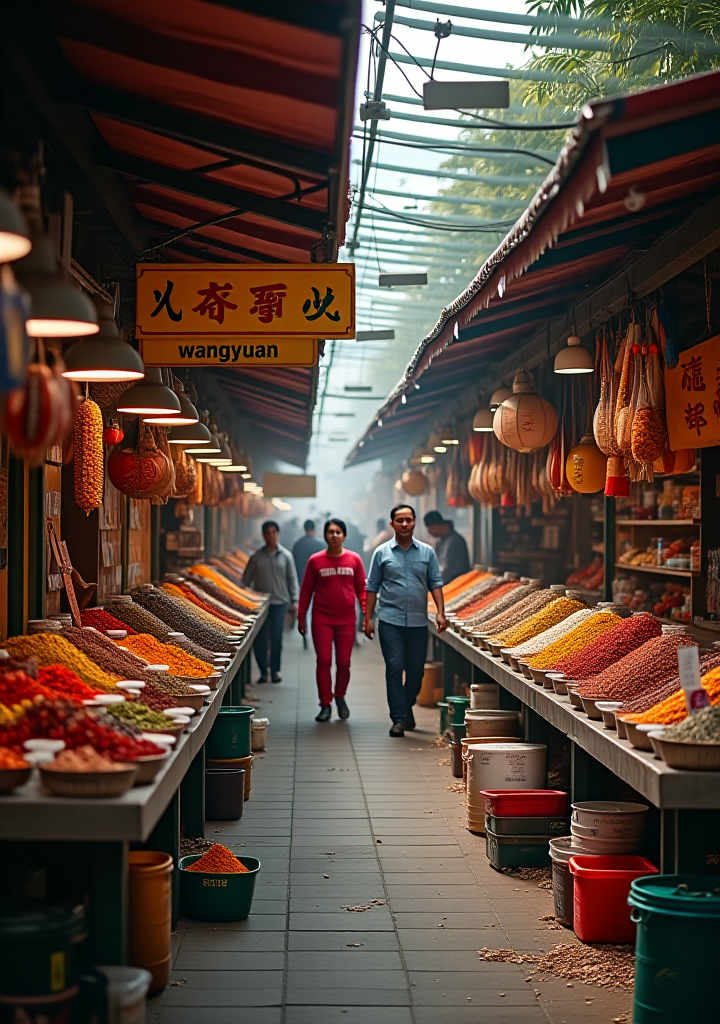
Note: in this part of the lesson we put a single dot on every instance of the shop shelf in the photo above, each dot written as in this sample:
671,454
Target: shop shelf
657,522
656,570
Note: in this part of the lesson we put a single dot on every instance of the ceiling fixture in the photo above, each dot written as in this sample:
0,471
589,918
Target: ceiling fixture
399,280
149,397
58,308
498,397
440,449
233,468
469,95
14,233
574,358
103,357
247,476
188,413
224,458
427,459
375,335
209,452
194,434
449,440
483,421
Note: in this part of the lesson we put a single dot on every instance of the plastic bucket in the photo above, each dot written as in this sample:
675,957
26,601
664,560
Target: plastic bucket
431,688
213,897
563,884
150,904
224,793
602,884
234,763
492,723
456,709
484,695
38,952
230,735
259,728
676,948
127,988
57,1009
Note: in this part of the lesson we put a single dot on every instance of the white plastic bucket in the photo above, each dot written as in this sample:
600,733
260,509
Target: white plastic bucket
611,820
126,993
492,722
506,766
484,696
259,733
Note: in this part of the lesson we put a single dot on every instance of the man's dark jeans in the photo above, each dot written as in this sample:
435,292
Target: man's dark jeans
404,649
271,634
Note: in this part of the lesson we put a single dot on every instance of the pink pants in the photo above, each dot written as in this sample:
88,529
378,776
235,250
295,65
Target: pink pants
324,632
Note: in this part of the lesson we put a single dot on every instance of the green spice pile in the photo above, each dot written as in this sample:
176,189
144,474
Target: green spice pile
141,716
702,727
168,684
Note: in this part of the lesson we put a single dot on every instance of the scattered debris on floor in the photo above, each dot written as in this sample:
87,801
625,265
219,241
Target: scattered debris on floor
455,787
541,876
601,965
362,907
190,846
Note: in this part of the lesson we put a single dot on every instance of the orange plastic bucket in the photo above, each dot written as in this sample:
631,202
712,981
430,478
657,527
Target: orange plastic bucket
150,906
235,762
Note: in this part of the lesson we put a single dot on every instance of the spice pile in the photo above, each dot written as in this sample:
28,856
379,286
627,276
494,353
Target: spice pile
177,618
495,608
222,583
575,639
626,636
83,759
208,619
702,727
65,683
543,619
674,708
218,861
10,761
140,619
100,619
633,709
518,612
104,652
52,649
158,653
141,716
201,586
207,603
488,599
641,670
549,636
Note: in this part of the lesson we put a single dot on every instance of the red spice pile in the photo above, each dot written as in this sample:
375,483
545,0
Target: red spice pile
640,671
218,861
623,638
488,598
103,620
65,683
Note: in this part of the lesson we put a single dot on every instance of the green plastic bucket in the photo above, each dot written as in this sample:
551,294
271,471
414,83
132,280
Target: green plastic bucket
678,933
456,707
39,951
230,735
211,897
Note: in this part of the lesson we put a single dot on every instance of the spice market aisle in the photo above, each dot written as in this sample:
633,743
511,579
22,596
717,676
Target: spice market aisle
343,816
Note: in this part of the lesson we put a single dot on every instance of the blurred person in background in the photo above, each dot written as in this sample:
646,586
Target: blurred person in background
451,549
303,548
334,580
271,570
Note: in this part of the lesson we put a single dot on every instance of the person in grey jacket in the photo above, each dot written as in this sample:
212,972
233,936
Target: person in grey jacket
271,570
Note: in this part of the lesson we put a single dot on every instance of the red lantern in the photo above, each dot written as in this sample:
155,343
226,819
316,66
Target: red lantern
113,435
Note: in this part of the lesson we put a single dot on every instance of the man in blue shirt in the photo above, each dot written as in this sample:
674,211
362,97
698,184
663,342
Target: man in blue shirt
402,572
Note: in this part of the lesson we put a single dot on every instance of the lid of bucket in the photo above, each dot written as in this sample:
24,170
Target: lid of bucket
609,807
686,895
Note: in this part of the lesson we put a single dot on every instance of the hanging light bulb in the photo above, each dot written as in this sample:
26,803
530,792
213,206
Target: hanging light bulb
483,421
149,397
574,358
188,413
104,357
14,232
58,308
190,436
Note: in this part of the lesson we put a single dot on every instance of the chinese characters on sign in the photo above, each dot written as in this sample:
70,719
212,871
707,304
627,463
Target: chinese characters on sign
693,412
210,300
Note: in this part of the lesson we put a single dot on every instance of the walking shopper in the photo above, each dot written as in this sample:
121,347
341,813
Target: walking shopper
271,570
451,549
303,548
403,570
333,580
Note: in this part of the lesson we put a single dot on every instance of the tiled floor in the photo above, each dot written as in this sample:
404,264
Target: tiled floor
342,815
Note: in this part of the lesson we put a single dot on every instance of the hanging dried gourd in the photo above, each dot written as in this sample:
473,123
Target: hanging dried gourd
524,421
88,465
603,420
414,482
586,466
648,428
475,447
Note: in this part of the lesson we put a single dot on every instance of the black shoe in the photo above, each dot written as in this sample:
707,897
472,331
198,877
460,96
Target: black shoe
398,729
277,678
262,679
410,721
324,713
342,709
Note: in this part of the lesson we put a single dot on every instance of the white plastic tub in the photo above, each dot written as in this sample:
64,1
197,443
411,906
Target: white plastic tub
126,994
259,733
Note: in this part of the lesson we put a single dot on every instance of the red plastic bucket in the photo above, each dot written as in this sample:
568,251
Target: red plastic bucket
600,903
526,803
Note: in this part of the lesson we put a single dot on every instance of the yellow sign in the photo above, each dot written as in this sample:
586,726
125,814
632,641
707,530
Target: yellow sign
212,351
235,300
692,397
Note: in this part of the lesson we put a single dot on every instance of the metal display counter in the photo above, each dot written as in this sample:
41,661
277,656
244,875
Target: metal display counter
98,831
685,800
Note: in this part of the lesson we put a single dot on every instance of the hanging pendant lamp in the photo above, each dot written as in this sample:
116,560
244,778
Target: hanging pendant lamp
188,413
149,397
574,358
208,454
14,232
483,421
58,308
224,458
190,436
104,357
498,397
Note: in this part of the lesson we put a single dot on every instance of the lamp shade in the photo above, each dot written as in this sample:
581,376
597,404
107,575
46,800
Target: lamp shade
14,232
208,453
224,458
58,308
483,420
525,421
104,357
188,413
149,397
498,397
574,358
190,435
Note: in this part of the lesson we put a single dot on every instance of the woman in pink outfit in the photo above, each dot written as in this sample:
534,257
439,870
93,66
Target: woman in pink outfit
335,579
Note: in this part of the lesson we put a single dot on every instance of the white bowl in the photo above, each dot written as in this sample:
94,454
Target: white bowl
180,719
130,687
158,668
179,712
116,634
199,688
608,705
108,698
138,684
50,745
161,738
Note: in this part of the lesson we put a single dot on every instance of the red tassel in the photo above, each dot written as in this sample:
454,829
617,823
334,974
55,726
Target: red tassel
617,484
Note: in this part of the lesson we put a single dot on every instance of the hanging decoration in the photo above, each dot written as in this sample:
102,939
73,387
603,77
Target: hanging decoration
414,482
88,465
525,421
586,466
140,472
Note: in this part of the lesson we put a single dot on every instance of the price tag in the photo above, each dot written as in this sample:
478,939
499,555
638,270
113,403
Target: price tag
696,696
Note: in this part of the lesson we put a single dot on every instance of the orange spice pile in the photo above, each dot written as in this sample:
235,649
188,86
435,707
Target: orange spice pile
154,651
218,861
